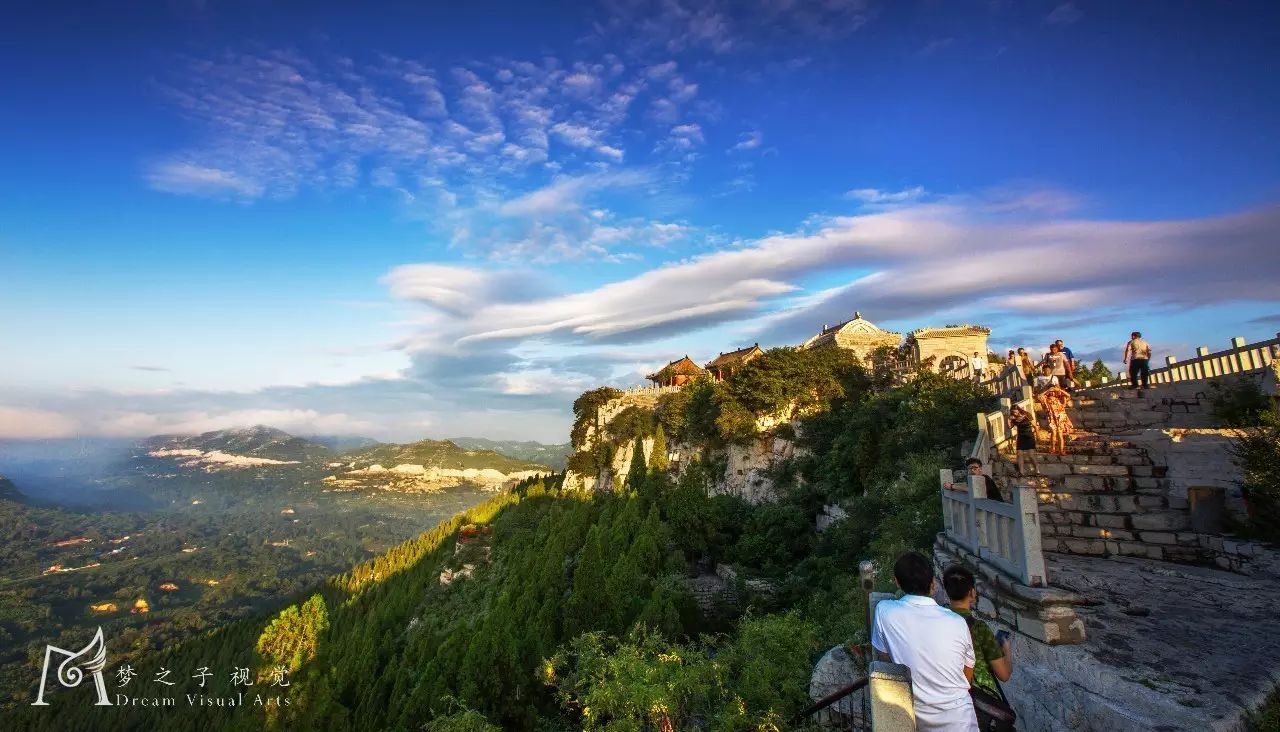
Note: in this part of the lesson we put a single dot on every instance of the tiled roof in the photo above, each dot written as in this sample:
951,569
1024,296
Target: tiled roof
733,358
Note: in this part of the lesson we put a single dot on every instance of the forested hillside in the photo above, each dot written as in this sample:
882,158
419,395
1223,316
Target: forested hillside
544,609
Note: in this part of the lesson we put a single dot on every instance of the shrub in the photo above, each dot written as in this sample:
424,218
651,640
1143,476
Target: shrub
1258,453
1238,403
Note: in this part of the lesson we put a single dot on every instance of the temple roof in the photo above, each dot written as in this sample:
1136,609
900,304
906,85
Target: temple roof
736,358
857,329
950,330
681,366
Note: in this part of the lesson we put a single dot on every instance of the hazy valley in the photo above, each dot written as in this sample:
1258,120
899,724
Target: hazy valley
163,538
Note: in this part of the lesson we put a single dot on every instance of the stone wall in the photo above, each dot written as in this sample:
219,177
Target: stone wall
1046,614
1195,457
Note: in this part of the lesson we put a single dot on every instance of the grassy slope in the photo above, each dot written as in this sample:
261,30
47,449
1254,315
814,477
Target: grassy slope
440,453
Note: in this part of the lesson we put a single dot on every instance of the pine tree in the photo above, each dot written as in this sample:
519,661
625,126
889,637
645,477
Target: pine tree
638,471
658,458
589,605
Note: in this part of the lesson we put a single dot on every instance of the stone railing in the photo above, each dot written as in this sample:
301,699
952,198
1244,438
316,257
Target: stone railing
1005,535
1010,380
652,389
1240,358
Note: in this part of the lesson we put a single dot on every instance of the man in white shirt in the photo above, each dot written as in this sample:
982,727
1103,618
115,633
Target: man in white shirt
1137,354
978,365
934,643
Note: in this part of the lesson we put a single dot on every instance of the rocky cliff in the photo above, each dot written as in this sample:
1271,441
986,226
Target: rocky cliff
747,466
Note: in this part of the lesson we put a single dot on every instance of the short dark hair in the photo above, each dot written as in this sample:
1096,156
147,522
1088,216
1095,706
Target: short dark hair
973,461
914,573
1135,334
958,581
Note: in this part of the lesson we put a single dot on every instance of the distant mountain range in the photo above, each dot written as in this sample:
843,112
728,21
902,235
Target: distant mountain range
551,455
259,444
426,465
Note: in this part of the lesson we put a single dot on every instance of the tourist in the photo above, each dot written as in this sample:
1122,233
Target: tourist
1011,359
993,656
978,365
1137,353
1028,368
1060,365
1062,347
933,642
973,466
1023,425
1046,379
993,660
1055,401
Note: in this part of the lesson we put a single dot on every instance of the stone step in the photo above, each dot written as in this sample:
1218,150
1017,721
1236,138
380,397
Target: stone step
1182,547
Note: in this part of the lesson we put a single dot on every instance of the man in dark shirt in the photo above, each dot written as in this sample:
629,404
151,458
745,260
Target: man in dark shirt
994,658
973,466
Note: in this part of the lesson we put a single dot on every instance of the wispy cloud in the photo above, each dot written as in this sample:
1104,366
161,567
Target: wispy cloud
723,27
877,196
1064,14
749,140
448,142
150,368
494,349
173,176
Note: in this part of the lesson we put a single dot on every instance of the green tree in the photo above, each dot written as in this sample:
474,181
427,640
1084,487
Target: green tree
658,457
637,472
589,607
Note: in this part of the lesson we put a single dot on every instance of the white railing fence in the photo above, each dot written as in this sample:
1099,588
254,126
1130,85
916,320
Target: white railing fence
1005,535
1240,358
1009,380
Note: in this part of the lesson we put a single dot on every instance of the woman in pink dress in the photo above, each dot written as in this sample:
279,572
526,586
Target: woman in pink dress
1055,401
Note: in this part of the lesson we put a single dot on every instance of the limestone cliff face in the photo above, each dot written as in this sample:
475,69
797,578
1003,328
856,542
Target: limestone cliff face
747,465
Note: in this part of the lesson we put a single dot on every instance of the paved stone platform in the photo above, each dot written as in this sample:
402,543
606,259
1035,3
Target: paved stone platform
1168,647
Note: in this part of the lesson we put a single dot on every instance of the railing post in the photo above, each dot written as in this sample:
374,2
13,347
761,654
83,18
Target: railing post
1031,556
892,705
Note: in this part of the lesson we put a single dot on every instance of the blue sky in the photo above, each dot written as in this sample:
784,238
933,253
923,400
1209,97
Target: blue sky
435,221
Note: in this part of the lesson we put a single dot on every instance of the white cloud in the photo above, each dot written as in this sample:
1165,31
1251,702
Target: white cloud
749,140
876,196
725,26
178,177
34,424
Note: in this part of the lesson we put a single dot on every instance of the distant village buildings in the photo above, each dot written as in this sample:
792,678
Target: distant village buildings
946,349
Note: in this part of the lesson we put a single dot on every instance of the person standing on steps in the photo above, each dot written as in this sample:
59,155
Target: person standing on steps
1055,401
933,642
1045,380
1028,368
978,365
1137,353
1059,364
1023,425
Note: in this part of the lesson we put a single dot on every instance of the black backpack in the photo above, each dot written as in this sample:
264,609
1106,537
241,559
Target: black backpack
994,712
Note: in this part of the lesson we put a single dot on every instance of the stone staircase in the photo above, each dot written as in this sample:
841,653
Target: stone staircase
1106,497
